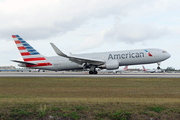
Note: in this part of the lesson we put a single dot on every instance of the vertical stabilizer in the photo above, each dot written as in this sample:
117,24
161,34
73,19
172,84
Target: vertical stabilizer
144,68
28,53
126,67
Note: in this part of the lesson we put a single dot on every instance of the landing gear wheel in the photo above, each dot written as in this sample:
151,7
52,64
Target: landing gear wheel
158,65
95,72
91,72
158,68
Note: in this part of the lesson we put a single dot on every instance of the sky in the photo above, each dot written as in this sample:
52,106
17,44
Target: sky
83,26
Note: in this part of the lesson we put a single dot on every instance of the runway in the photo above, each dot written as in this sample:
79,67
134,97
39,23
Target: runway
73,74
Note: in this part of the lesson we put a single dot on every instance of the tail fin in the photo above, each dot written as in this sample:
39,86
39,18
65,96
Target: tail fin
144,68
28,53
126,67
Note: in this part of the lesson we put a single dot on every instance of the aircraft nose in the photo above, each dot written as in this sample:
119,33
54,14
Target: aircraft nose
168,55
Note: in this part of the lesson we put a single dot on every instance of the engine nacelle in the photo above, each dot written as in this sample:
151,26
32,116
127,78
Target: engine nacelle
112,64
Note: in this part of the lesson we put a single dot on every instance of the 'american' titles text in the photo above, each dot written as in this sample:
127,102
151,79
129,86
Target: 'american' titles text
125,56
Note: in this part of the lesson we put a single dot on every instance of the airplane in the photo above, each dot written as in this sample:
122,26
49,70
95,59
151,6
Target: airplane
103,60
149,71
153,71
114,71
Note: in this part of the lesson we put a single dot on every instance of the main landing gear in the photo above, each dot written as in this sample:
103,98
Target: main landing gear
93,70
158,65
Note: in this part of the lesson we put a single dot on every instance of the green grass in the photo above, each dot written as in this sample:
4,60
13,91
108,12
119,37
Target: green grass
89,98
156,109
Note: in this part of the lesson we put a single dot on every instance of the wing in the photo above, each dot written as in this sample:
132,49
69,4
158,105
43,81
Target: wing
76,59
24,62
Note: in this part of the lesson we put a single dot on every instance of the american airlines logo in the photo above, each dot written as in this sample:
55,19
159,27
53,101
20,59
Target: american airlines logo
125,56
148,53
128,55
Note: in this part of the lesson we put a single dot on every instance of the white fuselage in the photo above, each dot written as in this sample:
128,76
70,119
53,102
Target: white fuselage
127,57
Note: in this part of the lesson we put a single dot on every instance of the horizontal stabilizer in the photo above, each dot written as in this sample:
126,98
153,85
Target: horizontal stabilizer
24,62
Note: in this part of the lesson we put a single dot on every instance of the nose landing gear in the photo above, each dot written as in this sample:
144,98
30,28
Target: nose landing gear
158,65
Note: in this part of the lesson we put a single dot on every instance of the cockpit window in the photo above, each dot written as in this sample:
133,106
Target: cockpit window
164,52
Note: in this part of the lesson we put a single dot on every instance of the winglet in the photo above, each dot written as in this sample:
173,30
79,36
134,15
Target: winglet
58,52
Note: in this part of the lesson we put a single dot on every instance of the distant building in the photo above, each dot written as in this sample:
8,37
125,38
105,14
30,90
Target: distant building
7,67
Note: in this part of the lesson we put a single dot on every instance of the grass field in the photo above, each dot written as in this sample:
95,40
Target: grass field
90,98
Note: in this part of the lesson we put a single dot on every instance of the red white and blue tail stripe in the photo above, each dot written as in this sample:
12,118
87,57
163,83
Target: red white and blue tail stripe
144,68
28,53
126,67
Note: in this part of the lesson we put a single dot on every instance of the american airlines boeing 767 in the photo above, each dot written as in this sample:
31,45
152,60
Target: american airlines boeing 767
104,60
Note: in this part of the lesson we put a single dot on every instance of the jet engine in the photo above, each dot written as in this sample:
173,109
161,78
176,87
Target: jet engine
112,64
